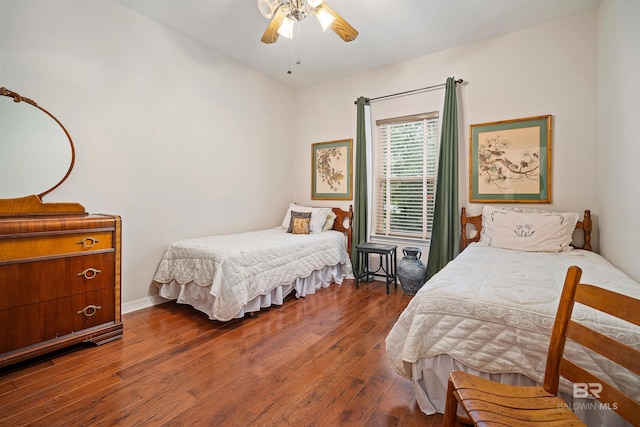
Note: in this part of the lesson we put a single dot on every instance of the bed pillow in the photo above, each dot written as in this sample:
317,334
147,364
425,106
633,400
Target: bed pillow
486,213
300,225
298,215
318,217
528,231
328,225
518,209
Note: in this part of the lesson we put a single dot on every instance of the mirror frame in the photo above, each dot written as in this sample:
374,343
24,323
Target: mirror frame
17,98
32,205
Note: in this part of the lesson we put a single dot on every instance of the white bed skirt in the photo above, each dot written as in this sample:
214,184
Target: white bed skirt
199,297
434,371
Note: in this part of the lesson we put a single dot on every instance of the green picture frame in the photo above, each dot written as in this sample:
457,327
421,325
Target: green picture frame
332,170
510,161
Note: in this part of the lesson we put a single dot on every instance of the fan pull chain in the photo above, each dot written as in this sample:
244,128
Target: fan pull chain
297,47
290,48
298,43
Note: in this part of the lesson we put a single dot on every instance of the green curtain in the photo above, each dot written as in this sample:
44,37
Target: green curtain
444,244
360,203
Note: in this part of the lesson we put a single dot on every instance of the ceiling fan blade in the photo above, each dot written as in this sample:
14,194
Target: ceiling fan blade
271,33
341,27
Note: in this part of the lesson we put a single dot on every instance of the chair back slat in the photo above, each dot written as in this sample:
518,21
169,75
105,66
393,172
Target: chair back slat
608,396
613,350
621,306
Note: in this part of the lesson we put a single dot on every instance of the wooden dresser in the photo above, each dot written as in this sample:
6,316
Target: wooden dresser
59,283
59,265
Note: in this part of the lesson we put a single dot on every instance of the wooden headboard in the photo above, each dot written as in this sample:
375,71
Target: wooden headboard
585,225
339,223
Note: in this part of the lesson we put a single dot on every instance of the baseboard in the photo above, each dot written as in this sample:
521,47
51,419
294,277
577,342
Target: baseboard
141,303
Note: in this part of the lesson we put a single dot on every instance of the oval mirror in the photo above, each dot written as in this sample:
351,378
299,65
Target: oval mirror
36,151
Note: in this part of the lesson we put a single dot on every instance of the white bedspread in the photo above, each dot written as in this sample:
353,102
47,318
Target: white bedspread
241,267
493,309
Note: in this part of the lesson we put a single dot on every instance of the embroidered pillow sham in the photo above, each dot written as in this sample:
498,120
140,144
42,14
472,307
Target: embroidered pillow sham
533,231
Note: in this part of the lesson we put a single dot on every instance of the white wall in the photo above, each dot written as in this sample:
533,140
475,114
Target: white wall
547,69
177,139
619,132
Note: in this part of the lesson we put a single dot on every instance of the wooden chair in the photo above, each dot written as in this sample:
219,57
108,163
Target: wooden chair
492,404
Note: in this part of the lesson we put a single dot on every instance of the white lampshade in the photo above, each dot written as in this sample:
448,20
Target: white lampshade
325,18
268,7
314,3
286,28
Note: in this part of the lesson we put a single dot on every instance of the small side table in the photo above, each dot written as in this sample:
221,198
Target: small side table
387,269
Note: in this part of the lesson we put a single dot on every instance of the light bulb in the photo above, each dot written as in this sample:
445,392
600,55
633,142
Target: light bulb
325,18
286,28
314,3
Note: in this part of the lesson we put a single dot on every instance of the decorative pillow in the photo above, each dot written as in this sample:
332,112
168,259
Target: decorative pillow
301,215
300,225
318,217
489,209
518,209
328,225
528,231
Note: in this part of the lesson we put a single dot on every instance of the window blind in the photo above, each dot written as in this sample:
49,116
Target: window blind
406,174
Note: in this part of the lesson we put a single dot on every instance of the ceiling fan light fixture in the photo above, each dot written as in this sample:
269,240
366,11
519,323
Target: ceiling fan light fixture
325,18
288,13
286,28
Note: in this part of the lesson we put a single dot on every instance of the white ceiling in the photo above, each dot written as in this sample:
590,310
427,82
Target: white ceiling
390,31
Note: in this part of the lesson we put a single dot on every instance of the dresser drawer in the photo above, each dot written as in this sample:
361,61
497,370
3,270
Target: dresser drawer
23,283
55,318
45,245
78,312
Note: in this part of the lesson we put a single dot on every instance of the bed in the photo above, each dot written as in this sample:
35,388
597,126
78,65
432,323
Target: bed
228,276
490,311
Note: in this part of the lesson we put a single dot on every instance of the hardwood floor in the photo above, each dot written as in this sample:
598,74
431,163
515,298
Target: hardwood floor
317,361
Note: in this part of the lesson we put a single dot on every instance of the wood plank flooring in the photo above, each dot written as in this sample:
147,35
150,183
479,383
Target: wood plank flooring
316,361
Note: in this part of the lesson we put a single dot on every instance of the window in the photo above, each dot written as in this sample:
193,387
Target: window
406,173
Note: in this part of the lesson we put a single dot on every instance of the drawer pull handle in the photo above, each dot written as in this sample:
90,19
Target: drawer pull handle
90,273
90,310
88,242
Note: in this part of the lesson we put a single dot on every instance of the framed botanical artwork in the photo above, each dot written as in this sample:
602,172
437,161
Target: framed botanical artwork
510,161
331,170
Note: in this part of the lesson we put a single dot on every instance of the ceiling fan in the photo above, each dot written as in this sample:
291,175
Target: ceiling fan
284,13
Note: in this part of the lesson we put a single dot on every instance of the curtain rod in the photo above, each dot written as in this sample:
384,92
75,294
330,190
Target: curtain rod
410,91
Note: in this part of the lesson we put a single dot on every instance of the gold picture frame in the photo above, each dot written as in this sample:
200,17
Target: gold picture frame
510,161
332,170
